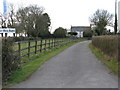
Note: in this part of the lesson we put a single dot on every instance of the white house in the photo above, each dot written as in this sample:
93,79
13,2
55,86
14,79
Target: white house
80,30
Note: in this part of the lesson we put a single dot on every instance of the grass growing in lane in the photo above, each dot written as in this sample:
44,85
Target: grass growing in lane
34,63
109,62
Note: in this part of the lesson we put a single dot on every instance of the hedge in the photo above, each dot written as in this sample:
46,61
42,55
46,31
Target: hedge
108,44
10,59
21,38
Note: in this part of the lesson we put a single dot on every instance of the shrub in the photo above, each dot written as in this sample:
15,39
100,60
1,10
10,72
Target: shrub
10,59
73,33
60,33
21,38
87,33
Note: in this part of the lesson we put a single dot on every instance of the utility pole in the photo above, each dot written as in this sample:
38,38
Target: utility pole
5,30
5,13
115,27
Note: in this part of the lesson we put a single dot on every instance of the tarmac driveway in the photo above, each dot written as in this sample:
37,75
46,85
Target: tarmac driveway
76,67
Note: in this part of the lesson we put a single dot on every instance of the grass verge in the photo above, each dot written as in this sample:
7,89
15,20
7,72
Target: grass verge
34,63
112,64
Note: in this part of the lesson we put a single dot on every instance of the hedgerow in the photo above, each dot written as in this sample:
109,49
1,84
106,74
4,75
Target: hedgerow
108,44
10,59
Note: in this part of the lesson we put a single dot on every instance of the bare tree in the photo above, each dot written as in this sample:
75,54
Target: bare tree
101,18
33,20
1,20
11,16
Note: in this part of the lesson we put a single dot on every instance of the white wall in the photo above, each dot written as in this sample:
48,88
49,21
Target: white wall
80,34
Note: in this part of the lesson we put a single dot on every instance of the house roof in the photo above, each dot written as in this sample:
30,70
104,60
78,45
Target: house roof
79,28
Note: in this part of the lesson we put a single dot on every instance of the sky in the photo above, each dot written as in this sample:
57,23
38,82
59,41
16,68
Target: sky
67,13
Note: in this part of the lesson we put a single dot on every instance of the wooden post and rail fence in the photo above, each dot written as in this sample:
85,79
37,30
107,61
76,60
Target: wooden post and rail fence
26,48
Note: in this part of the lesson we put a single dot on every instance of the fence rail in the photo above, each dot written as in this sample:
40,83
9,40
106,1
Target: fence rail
26,48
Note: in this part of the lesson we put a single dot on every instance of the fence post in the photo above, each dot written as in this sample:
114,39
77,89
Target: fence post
54,42
45,45
62,41
19,49
58,43
68,40
41,46
65,41
28,48
35,46
49,44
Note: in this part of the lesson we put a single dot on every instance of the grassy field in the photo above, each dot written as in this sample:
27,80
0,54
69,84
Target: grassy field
32,43
35,62
110,63
25,45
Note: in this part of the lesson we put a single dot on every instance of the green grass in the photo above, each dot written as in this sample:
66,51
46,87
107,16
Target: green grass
111,63
32,43
34,63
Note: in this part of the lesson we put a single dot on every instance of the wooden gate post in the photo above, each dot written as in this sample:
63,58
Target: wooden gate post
49,44
28,48
45,45
35,46
19,49
41,45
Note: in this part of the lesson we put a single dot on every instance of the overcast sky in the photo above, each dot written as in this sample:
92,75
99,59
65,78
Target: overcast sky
64,13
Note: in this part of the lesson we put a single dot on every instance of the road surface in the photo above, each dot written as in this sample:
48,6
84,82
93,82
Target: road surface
76,67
